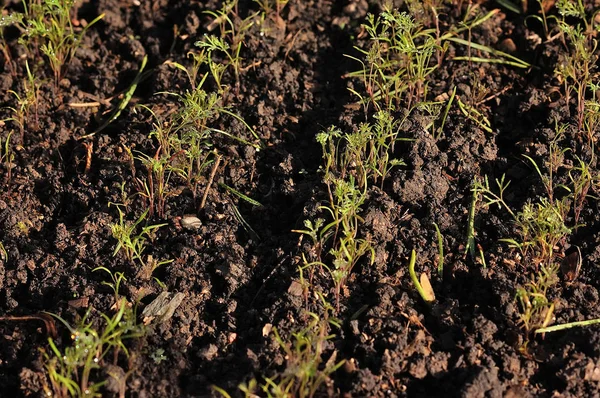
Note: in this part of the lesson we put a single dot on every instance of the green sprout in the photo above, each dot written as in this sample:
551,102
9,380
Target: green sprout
71,371
535,310
7,156
440,241
396,66
306,370
129,240
233,30
47,26
426,294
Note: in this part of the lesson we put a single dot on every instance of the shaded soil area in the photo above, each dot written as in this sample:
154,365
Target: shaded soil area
237,267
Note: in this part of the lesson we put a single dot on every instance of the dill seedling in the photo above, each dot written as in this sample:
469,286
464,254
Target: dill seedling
6,157
71,370
306,370
395,67
47,26
129,240
233,30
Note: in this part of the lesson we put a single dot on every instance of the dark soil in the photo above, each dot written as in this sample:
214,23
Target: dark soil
55,217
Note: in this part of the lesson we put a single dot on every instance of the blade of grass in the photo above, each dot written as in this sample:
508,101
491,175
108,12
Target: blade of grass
509,5
489,61
47,320
470,248
244,223
471,113
240,195
257,146
511,59
124,102
440,240
446,111
569,325
243,141
481,256
470,25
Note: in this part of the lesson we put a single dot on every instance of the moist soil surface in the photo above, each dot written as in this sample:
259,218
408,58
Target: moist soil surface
237,266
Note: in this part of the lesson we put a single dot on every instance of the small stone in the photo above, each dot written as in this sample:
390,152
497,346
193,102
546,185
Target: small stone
191,222
64,83
350,366
508,45
231,337
266,330
82,302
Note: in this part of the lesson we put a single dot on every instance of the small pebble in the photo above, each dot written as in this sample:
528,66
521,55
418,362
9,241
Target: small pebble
508,45
191,222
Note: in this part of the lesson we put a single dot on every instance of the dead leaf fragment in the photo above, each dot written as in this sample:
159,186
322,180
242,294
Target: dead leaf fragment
279,22
571,264
427,289
162,308
295,289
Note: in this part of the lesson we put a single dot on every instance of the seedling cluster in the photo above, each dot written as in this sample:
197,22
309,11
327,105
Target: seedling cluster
394,85
545,225
191,134
47,27
70,370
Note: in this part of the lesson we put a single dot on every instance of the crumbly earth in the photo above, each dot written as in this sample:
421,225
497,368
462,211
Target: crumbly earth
55,217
